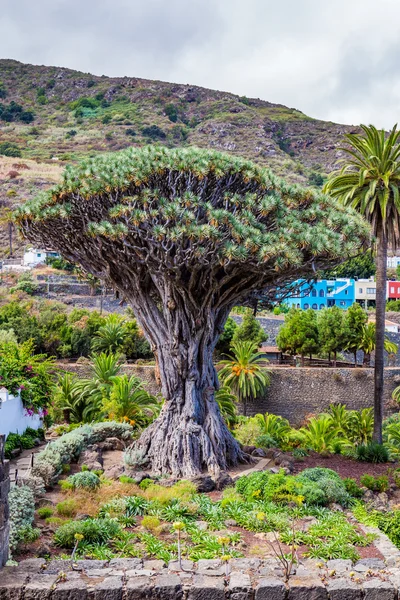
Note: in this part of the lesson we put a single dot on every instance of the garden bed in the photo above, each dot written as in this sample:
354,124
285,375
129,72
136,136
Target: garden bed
343,465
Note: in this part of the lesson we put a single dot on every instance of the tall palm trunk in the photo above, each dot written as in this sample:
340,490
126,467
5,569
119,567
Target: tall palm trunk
381,259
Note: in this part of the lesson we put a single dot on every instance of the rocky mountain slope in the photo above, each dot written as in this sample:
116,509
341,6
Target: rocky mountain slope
52,116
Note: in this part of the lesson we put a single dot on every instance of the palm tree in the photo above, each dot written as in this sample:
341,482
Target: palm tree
242,372
68,398
368,343
129,401
110,336
369,182
97,388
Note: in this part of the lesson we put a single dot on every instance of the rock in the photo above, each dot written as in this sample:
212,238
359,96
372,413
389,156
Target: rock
114,472
108,589
138,476
287,465
248,449
368,496
375,589
43,550
270,588
223,480
40,587
92,459
126,563
339,565
82,517
203,483
230,523
344,589
202,525
168,587
138,588
372,563
112,443
336,507
186,565
272,453
259,452
206,588
210,567
307,588
240,586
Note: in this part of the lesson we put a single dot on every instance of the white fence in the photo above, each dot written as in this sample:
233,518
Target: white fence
13,417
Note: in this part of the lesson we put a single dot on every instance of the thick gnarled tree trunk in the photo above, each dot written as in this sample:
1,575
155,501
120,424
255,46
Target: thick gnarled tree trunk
189,436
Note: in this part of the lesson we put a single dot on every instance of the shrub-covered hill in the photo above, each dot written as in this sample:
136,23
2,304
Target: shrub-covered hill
50,114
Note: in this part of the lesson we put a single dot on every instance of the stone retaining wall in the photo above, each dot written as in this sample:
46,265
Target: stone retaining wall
4,512
247,579
296,392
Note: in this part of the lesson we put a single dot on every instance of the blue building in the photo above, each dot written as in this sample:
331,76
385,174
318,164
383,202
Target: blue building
323,293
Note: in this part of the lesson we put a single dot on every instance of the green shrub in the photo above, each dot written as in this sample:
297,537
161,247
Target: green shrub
352,488
27,442
22,511
45,512
151,523
376,484
84,479
10,149
389,523
126,479
67,508
145,483
266,441
154,132
373,452
94,531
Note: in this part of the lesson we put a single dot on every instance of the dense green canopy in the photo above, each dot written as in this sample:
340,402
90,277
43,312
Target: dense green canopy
187,212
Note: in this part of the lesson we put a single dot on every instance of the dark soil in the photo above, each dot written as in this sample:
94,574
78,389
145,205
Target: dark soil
345,467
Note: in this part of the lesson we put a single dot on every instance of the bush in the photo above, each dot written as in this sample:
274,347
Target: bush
373,452
352,488
376,484
266,441
151,523
22,510
67,508
10,149
84,479
94,531
45,512
154,132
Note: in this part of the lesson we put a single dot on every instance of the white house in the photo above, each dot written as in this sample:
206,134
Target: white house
13,417
37,256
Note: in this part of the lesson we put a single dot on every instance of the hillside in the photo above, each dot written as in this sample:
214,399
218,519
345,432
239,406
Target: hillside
52,116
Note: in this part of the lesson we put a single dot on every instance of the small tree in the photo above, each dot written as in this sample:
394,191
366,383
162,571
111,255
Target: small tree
332,331
250,330
243,373
299,333
185,234
368,343
356,319
110,337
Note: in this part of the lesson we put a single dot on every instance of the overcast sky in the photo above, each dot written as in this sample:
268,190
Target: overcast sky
336,60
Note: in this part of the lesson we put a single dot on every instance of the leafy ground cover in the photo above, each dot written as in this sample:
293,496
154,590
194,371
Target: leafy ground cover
263,510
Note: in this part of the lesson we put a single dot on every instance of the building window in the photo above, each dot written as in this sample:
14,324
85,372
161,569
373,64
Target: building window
306,306
315,306
392,290
360,290
313,293
322,306
371,290
342,303
298,306
321,293
346,292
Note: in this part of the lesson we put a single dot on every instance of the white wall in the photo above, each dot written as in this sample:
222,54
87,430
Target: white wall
12,415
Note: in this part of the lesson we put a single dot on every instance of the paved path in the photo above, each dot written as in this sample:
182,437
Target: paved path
23,462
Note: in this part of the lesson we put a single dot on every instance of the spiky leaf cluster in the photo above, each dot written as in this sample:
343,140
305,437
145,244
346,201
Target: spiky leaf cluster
193,216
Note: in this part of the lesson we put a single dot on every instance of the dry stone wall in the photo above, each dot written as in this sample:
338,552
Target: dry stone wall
4,512
296,392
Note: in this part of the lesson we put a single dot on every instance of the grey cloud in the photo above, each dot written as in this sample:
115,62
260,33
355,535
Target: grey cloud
333,60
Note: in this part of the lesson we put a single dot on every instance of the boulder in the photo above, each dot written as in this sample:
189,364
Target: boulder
203,483
114,472
112,443
223,480
248,449
92,459
259,452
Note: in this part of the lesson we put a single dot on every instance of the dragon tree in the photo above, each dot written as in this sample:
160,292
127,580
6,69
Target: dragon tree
184,235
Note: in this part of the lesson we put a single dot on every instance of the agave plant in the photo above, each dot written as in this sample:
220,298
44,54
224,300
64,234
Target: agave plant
275,426
320,435
110,337
242,372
